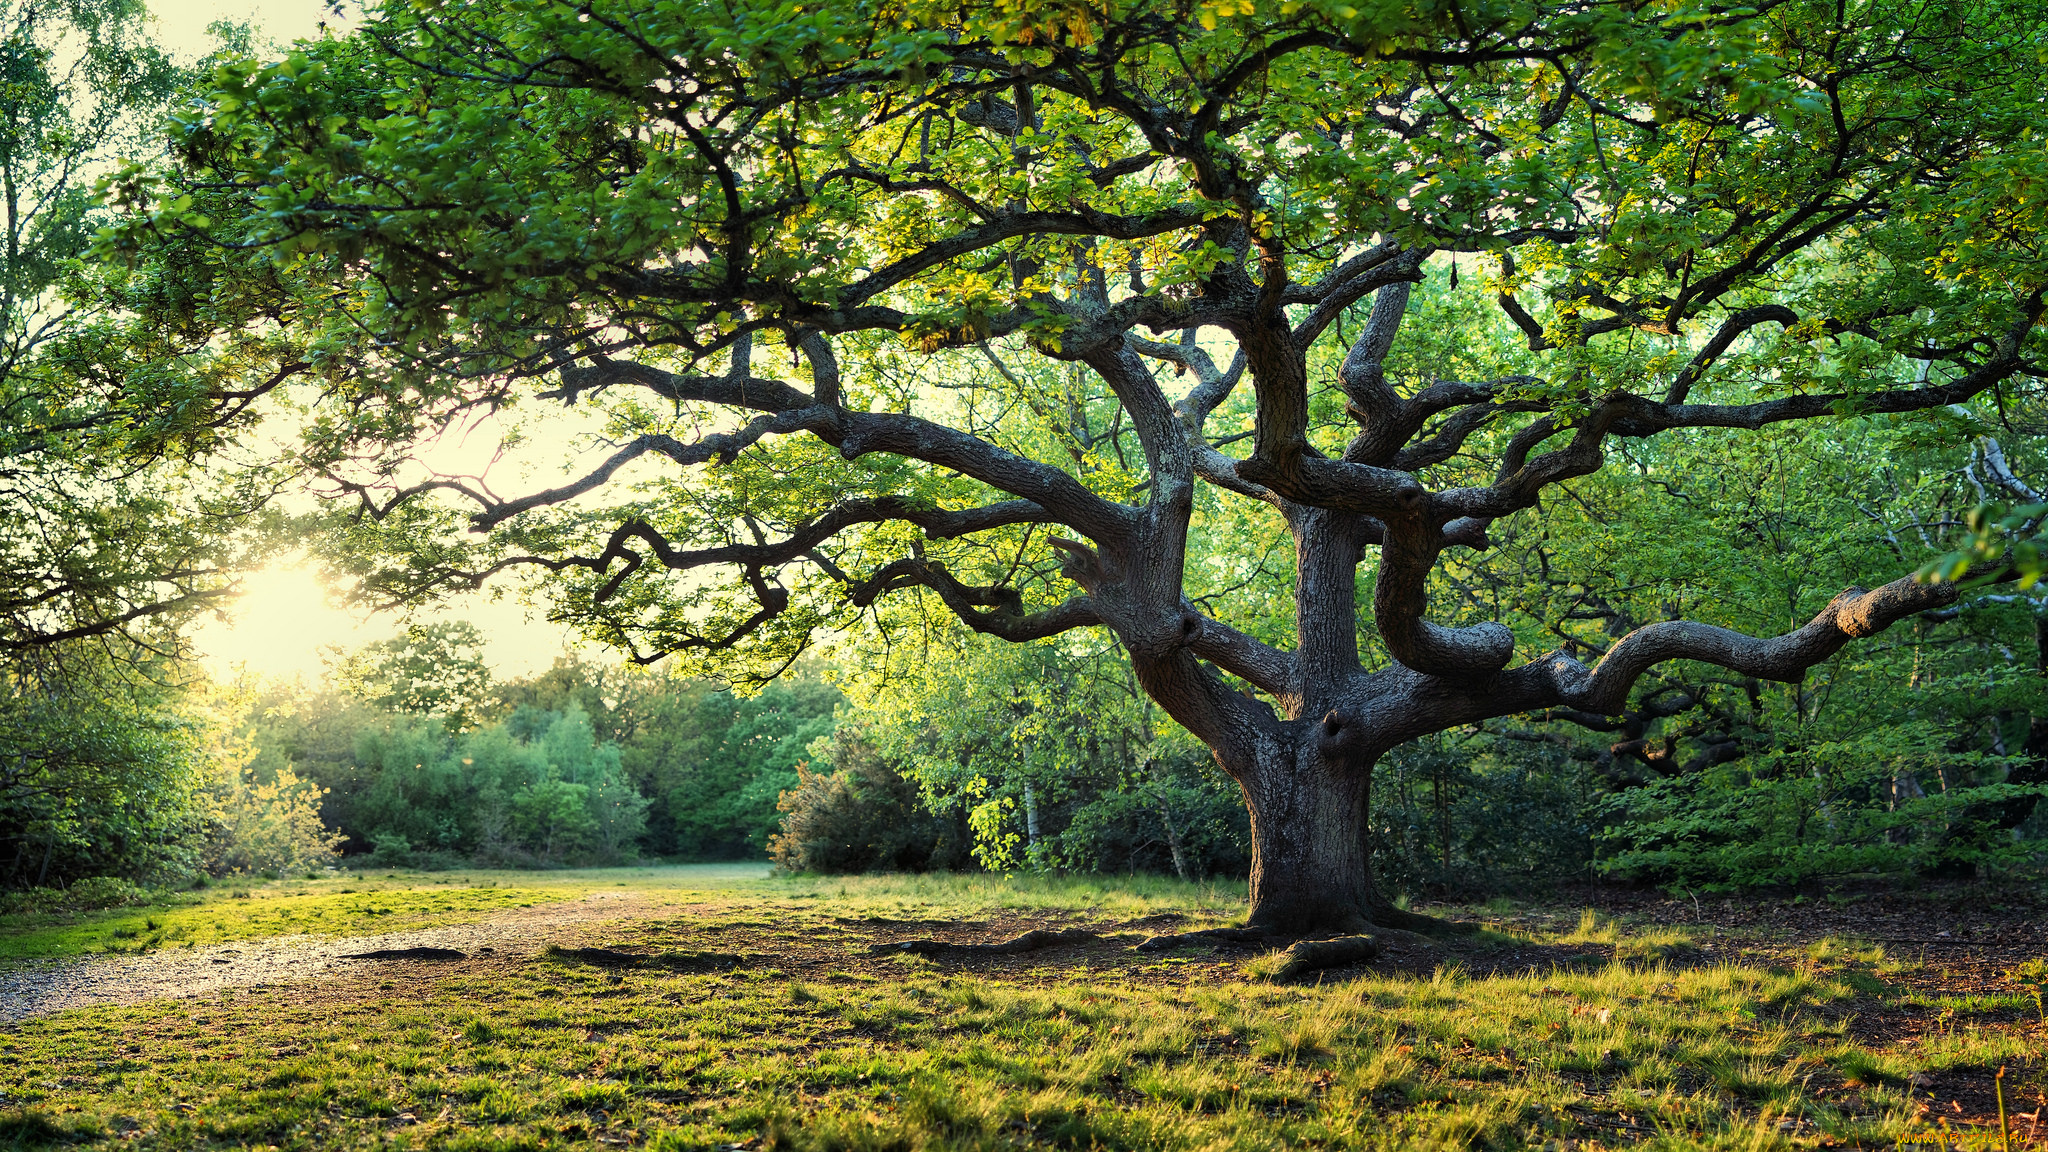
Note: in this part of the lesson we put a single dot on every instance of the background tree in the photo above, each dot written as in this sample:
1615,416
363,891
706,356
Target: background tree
1050,752
108,531
109,538
435,669
816,259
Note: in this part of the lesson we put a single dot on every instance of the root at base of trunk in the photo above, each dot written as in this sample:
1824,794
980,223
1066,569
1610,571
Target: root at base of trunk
1385,915
1031,941
1307,956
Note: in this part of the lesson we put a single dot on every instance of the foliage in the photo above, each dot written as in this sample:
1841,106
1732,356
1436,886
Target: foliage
1931,743
586,761
1832,809
537,786
255,819
266,827
90,894
1479,816
435,669
106,532
1050,752
932,315
859,813
103,771
714,763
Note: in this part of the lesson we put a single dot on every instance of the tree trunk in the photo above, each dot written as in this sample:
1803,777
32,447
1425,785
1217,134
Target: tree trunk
1311,871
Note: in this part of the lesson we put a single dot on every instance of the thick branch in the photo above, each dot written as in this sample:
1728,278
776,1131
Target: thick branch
1731,330
1254,661
1063,498
1853,615
995,610
723,446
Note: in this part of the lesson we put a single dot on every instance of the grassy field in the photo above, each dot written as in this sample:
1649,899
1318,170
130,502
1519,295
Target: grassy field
243,915
782,1026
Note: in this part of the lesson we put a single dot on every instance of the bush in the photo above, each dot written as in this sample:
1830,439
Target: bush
1828,809
266,826
861,816
391,850
1472,818
88,894
1175,815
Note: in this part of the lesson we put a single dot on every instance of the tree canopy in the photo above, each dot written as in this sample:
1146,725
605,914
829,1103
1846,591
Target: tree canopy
1086,317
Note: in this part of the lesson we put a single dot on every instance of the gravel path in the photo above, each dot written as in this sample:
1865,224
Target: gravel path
37,987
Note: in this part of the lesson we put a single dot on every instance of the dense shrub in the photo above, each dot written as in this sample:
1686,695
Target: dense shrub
101,774
1481,816
714,763
1176,814
88,894
862,815
1852,806
261,821
538,788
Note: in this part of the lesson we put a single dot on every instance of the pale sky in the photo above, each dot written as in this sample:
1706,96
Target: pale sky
286,623
181,24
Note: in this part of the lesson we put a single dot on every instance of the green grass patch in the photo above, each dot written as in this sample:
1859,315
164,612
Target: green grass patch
225,916
1709,1057
1182,1053
951,897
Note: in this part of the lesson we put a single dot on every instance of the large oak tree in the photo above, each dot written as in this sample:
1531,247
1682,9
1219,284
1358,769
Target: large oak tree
819,265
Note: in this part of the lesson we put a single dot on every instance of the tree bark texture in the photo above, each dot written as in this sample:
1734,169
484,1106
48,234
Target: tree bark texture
1311,859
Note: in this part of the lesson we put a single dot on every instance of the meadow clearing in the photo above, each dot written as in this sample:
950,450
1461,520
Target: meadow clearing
720,1007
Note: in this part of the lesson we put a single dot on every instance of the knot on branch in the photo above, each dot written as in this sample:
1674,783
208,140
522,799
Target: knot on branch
1469,531
1080,563
1340,736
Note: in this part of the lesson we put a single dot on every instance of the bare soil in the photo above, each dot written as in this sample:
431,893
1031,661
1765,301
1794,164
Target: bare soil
38,987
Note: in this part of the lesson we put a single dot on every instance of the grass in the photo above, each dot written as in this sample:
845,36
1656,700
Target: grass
242,915
363,904
846,1051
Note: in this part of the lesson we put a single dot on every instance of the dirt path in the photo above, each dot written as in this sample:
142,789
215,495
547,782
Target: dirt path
37,987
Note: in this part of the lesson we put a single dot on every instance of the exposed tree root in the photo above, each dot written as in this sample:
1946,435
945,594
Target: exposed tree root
672,961
1205,936
1031,941
1385,915
1314,955
408,954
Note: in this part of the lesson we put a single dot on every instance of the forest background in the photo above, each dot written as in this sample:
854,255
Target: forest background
909,742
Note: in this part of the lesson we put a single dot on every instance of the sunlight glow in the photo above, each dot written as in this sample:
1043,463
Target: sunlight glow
286,624
283,625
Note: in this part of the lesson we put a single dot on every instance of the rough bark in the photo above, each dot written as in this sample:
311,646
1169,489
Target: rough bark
1308,956
1311,869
